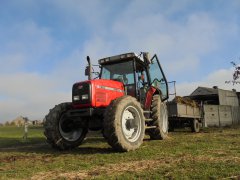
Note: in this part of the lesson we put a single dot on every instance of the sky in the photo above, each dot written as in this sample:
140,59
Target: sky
44,44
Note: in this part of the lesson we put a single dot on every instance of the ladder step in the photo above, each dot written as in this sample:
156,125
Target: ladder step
150,127
148,120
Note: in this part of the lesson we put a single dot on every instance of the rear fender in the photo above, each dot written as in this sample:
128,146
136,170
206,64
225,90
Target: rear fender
149,96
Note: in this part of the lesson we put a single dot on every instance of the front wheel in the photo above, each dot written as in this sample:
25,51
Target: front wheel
124,124
60,131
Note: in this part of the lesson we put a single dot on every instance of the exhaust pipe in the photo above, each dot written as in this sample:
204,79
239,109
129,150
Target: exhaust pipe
89,68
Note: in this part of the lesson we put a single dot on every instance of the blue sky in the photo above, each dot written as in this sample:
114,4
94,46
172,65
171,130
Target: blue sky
43,45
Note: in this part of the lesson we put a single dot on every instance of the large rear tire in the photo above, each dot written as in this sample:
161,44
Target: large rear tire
160,119
60,131
124,125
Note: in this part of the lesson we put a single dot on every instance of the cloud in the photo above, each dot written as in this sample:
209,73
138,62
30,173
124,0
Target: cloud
43,54
27,88
11,62
86,16
216,78
98,47
29,94
176,42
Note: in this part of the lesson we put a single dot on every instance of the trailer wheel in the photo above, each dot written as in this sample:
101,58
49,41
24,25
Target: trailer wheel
160,119
195,125
60,131
171,126
124,124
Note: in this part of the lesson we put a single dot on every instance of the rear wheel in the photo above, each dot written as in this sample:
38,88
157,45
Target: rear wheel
60,131
124,124
160,119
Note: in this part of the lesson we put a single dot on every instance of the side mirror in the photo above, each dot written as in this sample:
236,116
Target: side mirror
87,70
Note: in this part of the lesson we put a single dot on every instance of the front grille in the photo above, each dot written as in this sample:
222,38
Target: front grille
80,89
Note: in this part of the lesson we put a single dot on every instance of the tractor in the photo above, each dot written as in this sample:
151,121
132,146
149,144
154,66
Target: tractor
125,102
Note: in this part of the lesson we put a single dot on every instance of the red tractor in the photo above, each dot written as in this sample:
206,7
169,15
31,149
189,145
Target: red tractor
125,102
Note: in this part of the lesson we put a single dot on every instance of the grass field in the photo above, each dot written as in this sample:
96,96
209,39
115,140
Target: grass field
210,154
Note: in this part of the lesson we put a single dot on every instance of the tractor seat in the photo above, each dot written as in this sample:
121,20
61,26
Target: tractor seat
119,80
122,79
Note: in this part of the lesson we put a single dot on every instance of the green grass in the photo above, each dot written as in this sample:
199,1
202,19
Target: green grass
13,136
210,154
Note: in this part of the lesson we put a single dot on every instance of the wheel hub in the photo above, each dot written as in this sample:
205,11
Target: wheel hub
68,130
131,124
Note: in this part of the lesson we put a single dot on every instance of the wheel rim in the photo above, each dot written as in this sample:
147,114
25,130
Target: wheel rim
164,117
68,131
131,124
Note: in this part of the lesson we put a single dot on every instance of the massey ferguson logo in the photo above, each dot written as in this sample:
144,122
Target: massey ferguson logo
236,74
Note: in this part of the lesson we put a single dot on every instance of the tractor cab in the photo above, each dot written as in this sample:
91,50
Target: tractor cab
137,73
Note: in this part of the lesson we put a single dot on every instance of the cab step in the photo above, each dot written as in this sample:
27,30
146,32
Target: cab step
150,127
148,120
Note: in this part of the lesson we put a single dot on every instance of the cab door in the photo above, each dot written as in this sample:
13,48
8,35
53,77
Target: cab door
157,77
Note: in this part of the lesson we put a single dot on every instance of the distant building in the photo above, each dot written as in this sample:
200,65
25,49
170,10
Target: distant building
220,107
37,122
216,96
19,121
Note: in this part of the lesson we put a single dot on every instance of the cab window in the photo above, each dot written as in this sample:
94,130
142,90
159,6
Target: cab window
158,79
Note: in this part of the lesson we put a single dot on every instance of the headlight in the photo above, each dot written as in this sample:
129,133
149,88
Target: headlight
76,98
85,96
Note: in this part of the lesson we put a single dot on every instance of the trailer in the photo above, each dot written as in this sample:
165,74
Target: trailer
182,114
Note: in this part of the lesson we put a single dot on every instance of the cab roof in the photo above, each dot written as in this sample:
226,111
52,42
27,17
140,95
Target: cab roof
120,58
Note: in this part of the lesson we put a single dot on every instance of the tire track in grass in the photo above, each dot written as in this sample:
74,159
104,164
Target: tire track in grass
136,166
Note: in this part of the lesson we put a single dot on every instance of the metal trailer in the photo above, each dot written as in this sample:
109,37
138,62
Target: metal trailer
183,115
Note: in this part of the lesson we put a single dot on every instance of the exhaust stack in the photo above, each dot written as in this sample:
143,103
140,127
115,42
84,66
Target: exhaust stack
89,68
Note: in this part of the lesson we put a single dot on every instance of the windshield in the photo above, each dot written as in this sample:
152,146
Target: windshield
122,72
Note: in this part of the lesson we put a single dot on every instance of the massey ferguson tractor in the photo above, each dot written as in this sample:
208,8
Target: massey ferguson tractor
126,101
